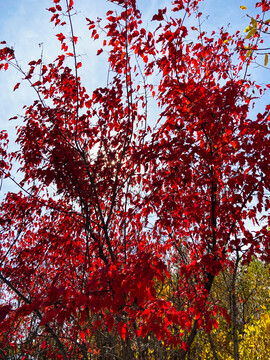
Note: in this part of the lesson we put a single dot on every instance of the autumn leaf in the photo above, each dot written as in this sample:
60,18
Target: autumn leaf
16,86
265,59
4,310
122,329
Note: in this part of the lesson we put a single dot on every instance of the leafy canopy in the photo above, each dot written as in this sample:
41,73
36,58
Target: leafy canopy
115,200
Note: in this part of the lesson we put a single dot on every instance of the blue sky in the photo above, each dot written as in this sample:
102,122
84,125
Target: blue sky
25,24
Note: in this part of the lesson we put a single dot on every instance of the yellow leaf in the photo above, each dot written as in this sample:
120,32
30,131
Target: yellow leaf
227,40
248,53
248,28
265,59
254,22
243,7
251,33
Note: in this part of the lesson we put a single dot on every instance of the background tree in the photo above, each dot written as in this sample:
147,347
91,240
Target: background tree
252,311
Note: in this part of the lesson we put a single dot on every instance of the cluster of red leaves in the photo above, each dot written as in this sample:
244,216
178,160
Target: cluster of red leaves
4,166
113,208
6,55
265,5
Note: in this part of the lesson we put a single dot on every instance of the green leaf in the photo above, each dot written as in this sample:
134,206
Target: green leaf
265,59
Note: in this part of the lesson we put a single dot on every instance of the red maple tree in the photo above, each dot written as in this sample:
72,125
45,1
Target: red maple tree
112,204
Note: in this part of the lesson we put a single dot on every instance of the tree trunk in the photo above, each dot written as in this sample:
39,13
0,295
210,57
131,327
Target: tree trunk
234,311
212,346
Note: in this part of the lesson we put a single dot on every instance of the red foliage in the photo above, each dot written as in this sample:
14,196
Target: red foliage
112,206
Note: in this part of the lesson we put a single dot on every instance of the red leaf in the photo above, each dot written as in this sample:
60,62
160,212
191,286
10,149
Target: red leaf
52,9
4,310
215,323
16,86
122,329
37,83
184,346
82,335
224,313
60,37
79,65
44,69
110,323
51,314
159,16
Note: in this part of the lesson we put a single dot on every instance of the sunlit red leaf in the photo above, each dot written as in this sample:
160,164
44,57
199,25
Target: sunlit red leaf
122,329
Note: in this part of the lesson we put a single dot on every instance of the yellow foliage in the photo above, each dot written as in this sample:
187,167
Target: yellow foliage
256,340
